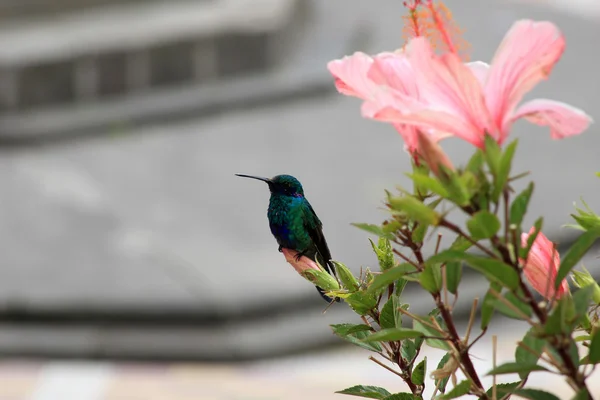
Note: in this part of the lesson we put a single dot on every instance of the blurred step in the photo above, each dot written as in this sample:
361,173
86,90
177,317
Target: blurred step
126,63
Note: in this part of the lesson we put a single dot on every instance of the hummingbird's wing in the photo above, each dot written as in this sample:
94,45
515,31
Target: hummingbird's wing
314,227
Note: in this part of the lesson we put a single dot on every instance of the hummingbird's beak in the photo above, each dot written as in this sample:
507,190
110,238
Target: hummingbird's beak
254,177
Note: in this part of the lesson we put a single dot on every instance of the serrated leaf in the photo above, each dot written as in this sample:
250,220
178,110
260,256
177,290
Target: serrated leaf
460,389
388,277
393,334
356,337
515,367
483,225
408,351
362,302
347,329
523,356
518,208
431,278
373,229
494,270
369,392
503,389
428,331
387,317
418,374
535,394
575,253
415,209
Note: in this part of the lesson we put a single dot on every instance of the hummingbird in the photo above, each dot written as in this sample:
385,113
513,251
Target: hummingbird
294,223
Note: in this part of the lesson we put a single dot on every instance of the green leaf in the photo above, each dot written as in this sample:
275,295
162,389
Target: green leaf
504,169
345,331
373,229
563,317
362,302
515,367
441,383
418,375
492,154
428,184
408,351
523,356
428,331
522,306
393,334
345,276
594,355
487,308
403,396
453,275
454,268
483,225
575,253
415,209
582,300
503,389
535,394
390,276
384,253
431,278
348,329
459,390
493,269
387,317
518,208
582,395
457,186
321,279
369,392
475,162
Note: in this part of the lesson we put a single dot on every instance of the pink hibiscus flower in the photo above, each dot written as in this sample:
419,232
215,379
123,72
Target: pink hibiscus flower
418,90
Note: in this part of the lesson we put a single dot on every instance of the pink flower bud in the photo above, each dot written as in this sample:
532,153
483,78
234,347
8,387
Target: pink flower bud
302,264
541,266
433,154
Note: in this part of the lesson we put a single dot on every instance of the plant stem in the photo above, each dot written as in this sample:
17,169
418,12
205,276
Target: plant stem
463,350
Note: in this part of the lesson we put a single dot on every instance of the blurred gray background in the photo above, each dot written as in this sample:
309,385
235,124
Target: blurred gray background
122,123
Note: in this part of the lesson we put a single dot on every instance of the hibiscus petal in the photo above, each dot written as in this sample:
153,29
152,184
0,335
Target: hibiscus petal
394,70
438,124
525,57
481,70
351,75
447,85
563,119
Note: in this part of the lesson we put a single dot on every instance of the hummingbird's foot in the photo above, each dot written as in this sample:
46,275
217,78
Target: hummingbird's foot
300,255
